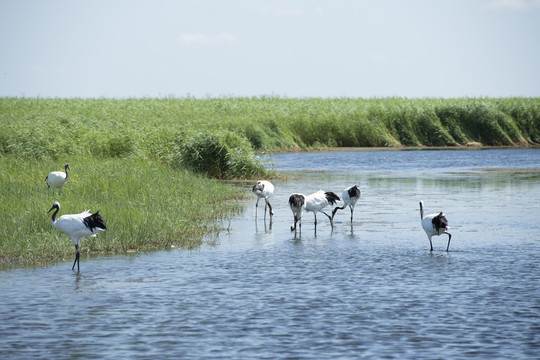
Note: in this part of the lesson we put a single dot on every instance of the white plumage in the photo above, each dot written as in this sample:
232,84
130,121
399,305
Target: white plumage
349,196
434,225
264,190
78,226
57,179
316,202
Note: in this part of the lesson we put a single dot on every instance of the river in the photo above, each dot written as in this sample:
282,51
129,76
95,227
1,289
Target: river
367,289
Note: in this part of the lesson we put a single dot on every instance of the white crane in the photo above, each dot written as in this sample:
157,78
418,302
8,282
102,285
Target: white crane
57,179
349,196
316,202
434,224
78,226
264,190
296,203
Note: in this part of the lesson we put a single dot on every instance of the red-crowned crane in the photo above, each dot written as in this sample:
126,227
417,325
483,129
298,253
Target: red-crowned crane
57,179
316,202
264,190
350,196
434,224
296,203
78,226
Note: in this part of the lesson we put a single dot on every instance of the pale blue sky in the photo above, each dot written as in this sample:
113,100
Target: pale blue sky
334,48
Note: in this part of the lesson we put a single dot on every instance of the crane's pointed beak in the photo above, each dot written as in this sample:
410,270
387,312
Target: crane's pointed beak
50,210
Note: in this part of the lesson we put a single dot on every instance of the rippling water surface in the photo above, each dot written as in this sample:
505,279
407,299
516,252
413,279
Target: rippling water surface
367,290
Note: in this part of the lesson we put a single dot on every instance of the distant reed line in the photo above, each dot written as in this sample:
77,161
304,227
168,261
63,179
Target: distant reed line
153,128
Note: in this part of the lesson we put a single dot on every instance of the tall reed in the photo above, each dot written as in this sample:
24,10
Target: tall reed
150,128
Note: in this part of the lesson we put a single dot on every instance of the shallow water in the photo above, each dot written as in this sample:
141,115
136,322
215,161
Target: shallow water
370,290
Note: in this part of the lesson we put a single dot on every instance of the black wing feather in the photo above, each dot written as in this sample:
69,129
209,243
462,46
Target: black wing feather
439,222
331,197
95,221
354,192
296,200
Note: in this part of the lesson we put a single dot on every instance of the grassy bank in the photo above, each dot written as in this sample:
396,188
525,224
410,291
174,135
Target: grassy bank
147,164
146,206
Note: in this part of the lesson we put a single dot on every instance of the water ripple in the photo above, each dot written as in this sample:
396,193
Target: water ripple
371,291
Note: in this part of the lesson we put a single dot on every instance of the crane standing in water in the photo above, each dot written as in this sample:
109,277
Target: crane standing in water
264,190
77,227
434,224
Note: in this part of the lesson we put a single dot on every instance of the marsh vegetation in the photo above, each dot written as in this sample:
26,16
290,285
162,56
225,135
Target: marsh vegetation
160,128
151,166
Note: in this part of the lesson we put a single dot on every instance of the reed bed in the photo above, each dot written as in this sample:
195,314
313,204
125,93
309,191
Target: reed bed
148,164
152,128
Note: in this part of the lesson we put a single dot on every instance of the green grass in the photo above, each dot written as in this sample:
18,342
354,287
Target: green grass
153,128
146,205
146,164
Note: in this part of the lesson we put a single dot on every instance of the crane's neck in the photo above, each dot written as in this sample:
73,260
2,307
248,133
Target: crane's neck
67,173
53,219
421,210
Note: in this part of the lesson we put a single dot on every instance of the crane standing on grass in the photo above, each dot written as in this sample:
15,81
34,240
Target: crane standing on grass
57,179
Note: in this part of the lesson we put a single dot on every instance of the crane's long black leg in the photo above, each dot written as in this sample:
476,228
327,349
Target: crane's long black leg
76,261
449,237
76,258
270,206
